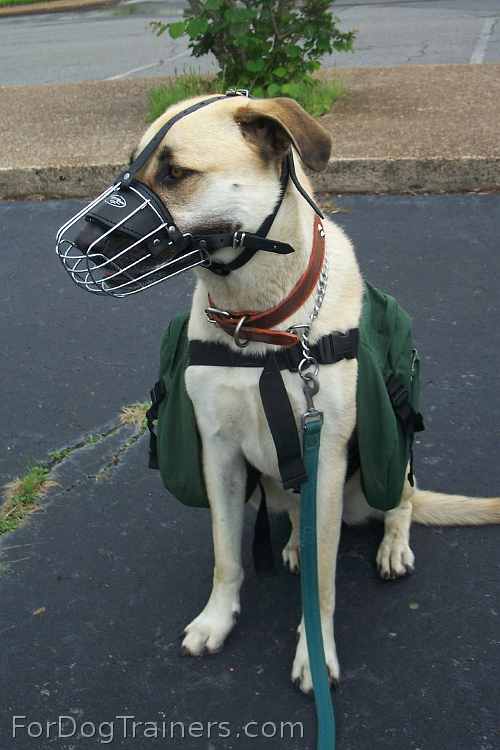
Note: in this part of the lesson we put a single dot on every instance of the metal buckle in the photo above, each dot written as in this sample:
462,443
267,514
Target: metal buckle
238,240
216,311
238,92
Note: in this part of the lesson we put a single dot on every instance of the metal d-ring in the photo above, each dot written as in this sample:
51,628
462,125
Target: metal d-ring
236,334
305,364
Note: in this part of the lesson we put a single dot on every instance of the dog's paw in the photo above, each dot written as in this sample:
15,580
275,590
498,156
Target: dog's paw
291,558
301,671
395,558
207,632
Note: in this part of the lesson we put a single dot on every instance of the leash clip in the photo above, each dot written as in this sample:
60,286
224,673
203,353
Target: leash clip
310,388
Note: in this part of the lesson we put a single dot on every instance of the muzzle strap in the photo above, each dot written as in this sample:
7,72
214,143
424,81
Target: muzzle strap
258,326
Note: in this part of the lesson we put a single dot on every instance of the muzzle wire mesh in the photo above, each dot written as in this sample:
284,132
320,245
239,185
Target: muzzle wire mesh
141,249
126,256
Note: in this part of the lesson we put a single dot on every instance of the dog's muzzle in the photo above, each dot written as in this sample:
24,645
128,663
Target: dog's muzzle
124,242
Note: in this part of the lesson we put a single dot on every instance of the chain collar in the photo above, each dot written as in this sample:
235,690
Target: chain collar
304,329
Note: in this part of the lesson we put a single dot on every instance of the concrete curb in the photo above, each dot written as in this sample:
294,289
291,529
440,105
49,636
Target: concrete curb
65,181
412,129
53,6
410,175
397,176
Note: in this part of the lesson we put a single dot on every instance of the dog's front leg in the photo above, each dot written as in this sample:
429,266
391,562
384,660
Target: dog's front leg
331,476
225,475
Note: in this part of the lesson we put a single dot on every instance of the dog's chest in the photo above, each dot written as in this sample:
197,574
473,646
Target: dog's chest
228,408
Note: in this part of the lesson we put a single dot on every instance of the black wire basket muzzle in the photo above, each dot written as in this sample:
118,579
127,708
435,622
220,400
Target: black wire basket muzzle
125,241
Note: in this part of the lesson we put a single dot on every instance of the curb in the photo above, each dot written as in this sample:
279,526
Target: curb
66,181
53,6
397,176
410,175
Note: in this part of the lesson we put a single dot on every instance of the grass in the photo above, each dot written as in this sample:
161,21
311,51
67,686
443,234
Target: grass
5,3
21,496
135,415
182,87
316,99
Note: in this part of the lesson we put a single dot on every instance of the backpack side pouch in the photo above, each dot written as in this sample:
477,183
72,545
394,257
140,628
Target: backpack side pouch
179,447
388,389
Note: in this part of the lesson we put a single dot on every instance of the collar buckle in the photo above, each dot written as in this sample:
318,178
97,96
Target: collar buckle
241,343
209,311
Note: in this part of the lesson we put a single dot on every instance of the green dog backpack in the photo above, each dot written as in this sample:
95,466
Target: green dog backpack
388,393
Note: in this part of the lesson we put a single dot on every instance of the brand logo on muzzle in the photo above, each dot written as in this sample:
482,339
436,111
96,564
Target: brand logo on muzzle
116,200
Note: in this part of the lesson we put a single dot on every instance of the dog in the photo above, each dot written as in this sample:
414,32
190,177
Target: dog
220,167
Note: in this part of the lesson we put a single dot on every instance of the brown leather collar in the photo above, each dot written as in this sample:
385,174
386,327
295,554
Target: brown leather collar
246,325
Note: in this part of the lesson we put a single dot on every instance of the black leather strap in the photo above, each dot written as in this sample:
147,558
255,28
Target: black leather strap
246,240
128,174
295,180
252,242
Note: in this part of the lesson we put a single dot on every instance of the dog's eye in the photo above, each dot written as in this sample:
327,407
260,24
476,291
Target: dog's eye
176,172
169,174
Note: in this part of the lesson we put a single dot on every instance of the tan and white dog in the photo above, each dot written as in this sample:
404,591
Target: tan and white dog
220,167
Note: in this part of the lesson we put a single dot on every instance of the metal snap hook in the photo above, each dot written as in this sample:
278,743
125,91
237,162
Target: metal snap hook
236,335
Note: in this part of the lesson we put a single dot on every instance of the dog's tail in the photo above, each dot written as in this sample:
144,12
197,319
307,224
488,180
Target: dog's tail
439,509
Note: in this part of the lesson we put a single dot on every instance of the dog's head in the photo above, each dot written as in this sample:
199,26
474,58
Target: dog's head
219,168
208,166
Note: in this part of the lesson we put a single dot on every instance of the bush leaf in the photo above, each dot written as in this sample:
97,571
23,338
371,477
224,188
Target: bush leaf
177,29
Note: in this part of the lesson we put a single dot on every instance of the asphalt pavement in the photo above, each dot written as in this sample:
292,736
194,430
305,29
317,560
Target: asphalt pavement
117,42
96,588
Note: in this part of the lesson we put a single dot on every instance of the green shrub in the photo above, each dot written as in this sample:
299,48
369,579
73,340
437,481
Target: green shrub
271,47
317,96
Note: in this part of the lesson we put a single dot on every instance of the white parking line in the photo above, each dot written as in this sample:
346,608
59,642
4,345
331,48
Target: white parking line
147,67
479,52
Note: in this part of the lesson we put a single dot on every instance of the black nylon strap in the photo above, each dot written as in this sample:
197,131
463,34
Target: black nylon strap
327,351
281,422
411,420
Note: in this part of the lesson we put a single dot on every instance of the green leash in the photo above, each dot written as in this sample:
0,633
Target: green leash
312,424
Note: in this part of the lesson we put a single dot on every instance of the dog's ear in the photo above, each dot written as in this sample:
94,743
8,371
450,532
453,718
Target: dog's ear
272,124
